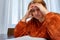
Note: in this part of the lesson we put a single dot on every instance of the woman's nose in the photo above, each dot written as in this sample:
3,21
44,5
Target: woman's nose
36,12
31,6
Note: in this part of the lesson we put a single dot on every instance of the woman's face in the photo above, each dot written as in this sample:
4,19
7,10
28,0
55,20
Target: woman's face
35,11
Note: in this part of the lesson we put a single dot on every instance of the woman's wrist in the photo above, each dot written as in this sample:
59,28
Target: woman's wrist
24,19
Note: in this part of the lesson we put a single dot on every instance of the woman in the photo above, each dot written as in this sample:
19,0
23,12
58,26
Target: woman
43,23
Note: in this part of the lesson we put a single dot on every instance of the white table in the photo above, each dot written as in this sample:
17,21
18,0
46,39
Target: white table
5,37
26,38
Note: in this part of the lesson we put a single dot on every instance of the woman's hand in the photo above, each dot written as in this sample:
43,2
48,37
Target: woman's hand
42,8
27,15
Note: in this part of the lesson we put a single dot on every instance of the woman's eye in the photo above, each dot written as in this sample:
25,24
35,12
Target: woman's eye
32,10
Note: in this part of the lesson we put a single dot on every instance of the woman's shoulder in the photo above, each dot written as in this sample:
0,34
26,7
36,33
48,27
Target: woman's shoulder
52,16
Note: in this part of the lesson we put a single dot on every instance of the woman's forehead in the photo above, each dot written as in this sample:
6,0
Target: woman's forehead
32,4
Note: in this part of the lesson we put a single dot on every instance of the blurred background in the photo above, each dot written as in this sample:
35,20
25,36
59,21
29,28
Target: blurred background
11,11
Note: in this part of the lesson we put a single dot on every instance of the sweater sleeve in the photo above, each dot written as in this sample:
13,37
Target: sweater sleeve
53,26
20,29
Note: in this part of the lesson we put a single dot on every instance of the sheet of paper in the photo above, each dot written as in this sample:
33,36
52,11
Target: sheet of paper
26,38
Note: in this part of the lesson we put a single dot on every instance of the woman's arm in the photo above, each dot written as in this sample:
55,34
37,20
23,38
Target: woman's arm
20,29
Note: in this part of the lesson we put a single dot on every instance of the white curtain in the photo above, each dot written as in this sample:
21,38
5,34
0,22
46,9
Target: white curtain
10,8
6,13
2,7
53,5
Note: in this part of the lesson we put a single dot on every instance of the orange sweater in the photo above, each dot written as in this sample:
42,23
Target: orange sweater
49,28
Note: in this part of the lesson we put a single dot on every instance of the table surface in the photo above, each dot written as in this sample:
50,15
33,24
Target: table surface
5,37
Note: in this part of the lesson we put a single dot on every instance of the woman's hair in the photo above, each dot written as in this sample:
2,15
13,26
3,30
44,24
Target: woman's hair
41,2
